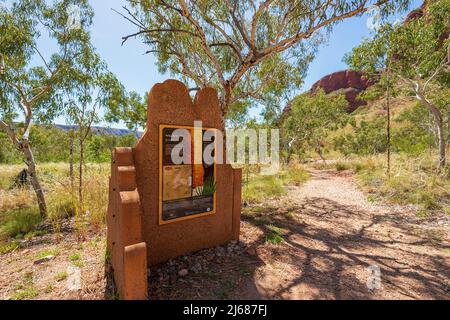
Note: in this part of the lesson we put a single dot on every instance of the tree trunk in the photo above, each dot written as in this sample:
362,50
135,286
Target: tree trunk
430,133
388,110
80,185
437,114
289,155
71,161
448,124
441,140
319,152
25,148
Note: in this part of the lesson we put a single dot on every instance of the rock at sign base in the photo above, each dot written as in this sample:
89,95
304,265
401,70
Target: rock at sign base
44,259
183,272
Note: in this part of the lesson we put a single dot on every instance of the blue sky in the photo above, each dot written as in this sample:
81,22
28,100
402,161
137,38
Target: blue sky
138,71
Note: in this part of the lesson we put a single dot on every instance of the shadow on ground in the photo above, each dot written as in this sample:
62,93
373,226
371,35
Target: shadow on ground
317,249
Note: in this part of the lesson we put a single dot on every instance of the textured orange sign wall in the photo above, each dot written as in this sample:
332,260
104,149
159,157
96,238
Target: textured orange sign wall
136,236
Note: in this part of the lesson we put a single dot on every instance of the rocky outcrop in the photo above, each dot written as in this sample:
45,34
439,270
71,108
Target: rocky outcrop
347,82
418,12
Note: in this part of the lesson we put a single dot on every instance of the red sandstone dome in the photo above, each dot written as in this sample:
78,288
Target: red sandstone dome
348,82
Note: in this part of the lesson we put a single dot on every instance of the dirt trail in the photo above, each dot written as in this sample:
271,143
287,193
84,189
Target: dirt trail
341,246
322,240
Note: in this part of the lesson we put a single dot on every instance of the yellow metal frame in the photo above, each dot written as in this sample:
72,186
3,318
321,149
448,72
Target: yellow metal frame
197,215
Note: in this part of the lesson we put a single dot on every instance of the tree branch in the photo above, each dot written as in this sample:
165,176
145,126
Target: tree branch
125,38
262,7
185,13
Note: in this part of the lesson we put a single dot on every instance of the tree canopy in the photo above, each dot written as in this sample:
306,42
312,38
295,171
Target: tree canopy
31,78
310,118
251,51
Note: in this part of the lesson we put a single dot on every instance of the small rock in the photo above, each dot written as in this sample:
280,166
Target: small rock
220,251
183,272
196,268
251,251
44,259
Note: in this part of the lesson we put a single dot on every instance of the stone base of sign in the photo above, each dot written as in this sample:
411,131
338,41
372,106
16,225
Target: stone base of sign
136,237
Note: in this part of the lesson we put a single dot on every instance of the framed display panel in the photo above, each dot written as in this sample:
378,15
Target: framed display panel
186,190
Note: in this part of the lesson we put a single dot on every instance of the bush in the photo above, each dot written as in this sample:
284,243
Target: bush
294,174
263,187
51,144
19,222
342,166
258,187
367,138
412,181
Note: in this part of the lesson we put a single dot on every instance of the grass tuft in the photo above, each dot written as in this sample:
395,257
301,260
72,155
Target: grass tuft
258,187
25,288
61,276
275,235
17,223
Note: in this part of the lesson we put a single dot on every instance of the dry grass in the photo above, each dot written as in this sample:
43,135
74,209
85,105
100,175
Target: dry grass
412,180
18,211
258,187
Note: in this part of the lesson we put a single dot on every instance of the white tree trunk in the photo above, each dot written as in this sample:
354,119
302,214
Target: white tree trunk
23,146
28,153
437,114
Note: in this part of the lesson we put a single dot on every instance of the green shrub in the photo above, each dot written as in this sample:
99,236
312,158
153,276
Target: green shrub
294,174
342,166
412,181
275,235
9,246
19,222
366,138
263,187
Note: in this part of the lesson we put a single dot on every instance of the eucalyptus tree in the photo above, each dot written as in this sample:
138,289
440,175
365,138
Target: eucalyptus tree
310,119
133,112
91,88
250,51
417,52
31,78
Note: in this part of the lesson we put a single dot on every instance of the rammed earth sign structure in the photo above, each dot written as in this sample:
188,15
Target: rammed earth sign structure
164,200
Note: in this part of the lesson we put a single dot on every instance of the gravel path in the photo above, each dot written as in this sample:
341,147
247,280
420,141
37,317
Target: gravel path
338,245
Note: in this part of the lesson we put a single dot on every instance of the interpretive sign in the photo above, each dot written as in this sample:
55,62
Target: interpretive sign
173,193
187,190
